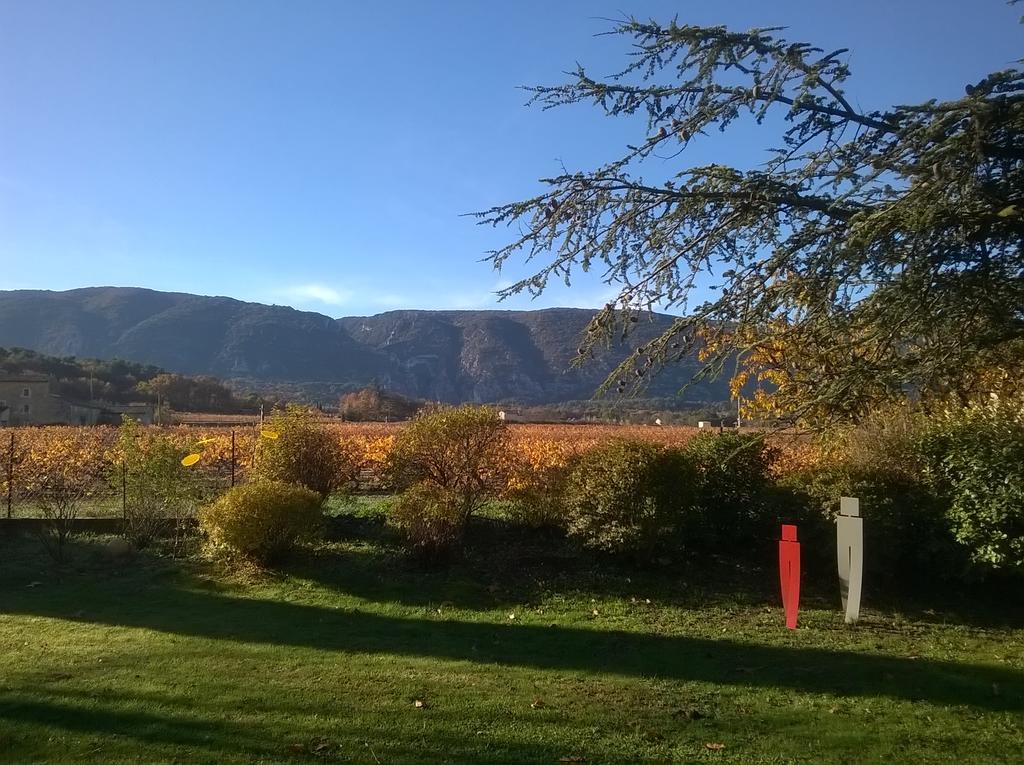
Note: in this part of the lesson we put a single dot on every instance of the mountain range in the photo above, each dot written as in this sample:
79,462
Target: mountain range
451,356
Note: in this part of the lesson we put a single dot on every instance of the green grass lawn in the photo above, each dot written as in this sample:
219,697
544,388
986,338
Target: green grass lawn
522,652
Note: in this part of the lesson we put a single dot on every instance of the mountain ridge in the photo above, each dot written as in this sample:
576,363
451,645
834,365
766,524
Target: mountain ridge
491,355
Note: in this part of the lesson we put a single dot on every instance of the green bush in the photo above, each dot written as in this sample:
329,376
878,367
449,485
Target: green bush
159,493
452,459
430,519
907,539
973,457
538,500
294,448
628,497
906,536
735,501
261,521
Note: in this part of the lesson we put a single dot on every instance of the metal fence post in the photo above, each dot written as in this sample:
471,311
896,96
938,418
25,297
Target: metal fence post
10,475
232,458
124,491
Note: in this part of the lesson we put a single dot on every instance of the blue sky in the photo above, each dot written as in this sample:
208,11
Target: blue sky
319,153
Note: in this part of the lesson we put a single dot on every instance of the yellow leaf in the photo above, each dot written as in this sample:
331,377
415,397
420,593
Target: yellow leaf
1006,212
714,746
190,460
271,434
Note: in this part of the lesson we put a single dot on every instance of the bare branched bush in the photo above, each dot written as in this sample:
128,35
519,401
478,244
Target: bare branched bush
59,500
159,493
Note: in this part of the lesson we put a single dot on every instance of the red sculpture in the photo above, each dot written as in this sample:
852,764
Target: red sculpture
789,574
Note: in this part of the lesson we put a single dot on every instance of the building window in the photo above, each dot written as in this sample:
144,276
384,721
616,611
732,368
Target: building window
25,408
26,392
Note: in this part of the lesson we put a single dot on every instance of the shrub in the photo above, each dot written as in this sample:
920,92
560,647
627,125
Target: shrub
906,538
973,457
158,491
261,521
58,499
457,451
541,501
58,480
536,491
906,534
733,490
296,449
430,519
627,497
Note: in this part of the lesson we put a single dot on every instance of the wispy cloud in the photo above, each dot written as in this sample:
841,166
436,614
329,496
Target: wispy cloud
320,293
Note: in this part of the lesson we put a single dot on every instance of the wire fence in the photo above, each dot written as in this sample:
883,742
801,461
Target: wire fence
38,465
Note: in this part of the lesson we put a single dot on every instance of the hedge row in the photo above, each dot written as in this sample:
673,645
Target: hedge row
942,494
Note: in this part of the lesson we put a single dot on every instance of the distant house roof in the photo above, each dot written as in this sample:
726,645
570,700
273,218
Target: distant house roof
28,378
105,406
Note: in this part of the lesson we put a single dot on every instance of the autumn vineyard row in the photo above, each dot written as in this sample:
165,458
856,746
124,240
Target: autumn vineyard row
90,454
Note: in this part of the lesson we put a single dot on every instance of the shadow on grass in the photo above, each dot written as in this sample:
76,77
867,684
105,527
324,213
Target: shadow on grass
520,578
224,738
506,563
176,610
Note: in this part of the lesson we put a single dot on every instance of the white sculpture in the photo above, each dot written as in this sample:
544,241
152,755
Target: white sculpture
850,551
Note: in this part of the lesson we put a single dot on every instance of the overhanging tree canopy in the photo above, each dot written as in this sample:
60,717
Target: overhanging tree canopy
875,253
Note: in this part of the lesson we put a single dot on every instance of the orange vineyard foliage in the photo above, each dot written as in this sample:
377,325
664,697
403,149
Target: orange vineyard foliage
90,454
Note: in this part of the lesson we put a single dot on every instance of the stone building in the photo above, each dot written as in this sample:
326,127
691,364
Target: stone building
26,399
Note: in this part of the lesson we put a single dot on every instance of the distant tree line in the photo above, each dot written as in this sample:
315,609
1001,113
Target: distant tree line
119,381
633,411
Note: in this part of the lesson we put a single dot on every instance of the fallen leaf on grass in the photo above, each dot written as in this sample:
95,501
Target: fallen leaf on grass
691,714
572,758
714,746
420,704
321,745
537,704
297,748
